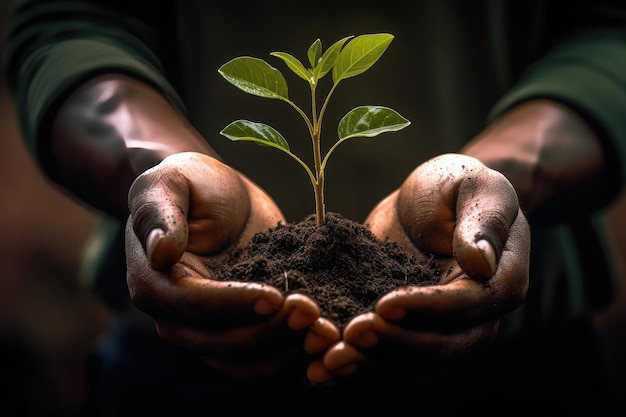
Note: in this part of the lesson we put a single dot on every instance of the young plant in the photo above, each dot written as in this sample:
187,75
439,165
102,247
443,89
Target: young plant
346,58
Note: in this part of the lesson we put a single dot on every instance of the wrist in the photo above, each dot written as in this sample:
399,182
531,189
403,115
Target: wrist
550,155
109,131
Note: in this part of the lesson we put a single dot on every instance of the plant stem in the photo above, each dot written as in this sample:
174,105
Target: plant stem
320,210
318,186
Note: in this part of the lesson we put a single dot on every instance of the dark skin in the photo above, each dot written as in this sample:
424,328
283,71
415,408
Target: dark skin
467,216
185,205
549,156
146,161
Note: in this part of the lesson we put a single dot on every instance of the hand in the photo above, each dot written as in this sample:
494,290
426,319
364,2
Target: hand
467,216
186,209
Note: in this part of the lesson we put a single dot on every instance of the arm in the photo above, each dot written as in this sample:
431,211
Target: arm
560,132
80,72
106,123
109,131
556,135
552,157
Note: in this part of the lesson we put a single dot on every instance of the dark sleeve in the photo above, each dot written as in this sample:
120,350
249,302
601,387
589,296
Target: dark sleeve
582,63
585,68
54,46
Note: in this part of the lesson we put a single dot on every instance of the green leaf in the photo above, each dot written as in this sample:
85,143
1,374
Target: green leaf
360,54
256,77
370,121
314,53
328,59
294,64
255,132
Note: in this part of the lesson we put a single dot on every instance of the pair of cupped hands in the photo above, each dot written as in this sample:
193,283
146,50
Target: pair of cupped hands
192,207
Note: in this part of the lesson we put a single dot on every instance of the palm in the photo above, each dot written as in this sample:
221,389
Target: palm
467,217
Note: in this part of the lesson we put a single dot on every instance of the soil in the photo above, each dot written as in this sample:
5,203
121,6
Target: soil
340,264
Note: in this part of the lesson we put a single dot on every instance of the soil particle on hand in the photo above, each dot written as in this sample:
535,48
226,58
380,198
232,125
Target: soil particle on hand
339,264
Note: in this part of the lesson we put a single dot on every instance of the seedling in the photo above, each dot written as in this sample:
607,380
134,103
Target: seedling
346,58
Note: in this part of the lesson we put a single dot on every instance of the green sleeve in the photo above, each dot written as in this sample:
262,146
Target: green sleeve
589,75
55,46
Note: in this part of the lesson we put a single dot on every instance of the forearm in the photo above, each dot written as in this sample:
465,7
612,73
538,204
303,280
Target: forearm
109,131
553,158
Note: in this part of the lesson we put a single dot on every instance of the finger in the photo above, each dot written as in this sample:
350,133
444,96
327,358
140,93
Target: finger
342,359
186,292
318,374
486,208
213,302
454,205
189,202
250,340
158,206
220,202
448,307
464,302
321,336
396,345
248,343
301,311
361,331
420,348
425,205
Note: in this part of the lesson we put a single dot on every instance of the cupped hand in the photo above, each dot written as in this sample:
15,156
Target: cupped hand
187,209
467,216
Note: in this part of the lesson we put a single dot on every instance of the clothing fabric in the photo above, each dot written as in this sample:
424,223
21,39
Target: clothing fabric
452,67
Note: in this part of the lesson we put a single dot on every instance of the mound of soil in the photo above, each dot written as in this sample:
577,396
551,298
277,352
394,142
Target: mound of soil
340,264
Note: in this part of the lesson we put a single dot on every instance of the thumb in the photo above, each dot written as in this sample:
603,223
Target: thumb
158,203
486,208
453,205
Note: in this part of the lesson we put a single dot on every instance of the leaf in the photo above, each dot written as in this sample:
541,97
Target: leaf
370,121
255,132
256,77
360,54
314,53
328,59
294,64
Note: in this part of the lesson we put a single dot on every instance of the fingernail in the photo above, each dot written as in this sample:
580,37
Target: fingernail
152,242
264,307
488,253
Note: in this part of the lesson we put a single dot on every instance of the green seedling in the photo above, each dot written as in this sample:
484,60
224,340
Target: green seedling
346,58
